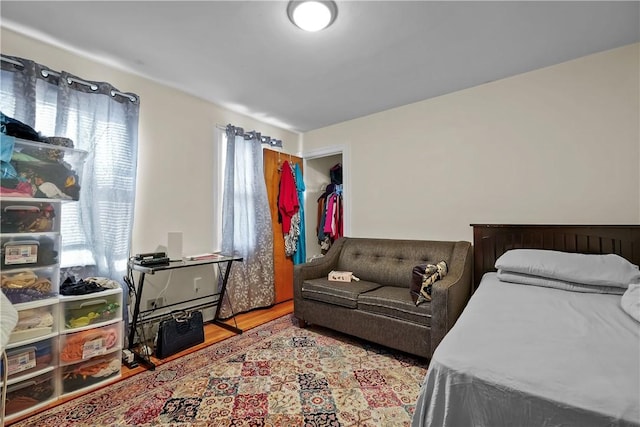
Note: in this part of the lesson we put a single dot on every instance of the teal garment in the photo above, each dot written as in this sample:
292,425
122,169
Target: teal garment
300,255
7,144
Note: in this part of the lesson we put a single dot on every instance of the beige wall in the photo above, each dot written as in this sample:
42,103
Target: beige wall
556,145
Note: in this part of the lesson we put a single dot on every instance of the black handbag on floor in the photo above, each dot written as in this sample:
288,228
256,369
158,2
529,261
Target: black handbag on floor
181,331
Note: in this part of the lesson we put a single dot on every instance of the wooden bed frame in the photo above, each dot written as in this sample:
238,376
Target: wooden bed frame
492,240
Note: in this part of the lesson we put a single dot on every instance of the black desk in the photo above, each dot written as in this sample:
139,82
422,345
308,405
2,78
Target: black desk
207,300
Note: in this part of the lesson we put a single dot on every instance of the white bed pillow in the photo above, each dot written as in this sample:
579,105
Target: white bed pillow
630,301
526,279
587,269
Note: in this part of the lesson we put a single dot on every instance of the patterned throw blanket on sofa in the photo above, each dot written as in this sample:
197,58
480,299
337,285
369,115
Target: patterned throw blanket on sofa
424,276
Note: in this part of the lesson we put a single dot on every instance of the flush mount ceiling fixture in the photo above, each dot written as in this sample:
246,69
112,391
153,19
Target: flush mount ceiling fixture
313,15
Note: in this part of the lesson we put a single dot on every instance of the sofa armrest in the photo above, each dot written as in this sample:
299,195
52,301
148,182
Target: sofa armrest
451,294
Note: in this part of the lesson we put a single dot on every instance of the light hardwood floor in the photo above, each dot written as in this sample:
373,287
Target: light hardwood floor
212,335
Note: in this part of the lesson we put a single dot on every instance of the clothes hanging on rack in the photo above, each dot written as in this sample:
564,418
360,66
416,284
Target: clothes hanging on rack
335,173
291,212
288,203
291,238
300,255
330,210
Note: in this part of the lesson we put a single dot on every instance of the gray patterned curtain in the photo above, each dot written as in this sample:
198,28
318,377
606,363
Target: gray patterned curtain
246,225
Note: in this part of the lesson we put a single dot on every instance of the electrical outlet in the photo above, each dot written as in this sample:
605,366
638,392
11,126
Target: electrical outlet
155,303
196,283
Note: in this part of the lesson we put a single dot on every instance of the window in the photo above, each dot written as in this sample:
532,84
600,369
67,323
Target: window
96,231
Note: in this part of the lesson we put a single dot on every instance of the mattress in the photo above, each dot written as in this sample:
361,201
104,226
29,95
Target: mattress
532,356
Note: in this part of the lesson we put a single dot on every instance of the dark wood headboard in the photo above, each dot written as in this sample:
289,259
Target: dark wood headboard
492,240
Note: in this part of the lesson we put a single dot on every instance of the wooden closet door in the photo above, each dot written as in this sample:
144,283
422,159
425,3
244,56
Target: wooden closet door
282,264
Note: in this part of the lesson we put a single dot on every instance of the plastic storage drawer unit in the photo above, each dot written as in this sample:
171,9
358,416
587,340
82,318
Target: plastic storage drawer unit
24,395
35,320
29,217
43,170
85,374
32,357
29,251
30,284
82,345
100,307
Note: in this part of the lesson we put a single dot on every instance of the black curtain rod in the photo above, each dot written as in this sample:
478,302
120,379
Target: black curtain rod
45,72
238,131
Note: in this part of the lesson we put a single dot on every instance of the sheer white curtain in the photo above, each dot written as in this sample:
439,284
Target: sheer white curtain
246,225
96,230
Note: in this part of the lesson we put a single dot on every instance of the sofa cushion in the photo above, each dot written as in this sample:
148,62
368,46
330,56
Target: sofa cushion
344,294
395,302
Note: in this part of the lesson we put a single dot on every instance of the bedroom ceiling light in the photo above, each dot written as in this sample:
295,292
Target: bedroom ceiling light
312,15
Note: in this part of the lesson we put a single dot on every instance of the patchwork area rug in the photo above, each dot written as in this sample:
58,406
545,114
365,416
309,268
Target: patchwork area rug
273,375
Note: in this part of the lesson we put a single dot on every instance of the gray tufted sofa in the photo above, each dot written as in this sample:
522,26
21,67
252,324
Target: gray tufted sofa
379,307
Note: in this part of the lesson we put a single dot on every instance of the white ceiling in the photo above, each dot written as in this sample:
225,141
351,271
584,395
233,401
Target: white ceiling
247,56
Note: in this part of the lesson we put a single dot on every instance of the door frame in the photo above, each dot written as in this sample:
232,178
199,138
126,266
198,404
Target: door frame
346,178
